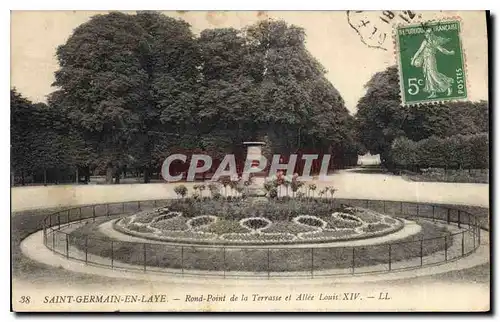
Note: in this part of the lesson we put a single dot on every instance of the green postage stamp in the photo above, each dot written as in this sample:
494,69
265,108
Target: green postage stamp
431,62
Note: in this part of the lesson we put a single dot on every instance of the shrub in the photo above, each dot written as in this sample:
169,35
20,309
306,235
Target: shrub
405,153
273,193
214,189
181,190
453,152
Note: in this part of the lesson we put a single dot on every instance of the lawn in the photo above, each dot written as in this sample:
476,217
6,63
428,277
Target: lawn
253,259
442,175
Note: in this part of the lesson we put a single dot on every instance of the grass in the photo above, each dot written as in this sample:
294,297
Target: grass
248,259
27,222
440,175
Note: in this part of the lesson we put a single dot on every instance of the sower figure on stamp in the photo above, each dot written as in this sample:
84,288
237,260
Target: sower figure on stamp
425,57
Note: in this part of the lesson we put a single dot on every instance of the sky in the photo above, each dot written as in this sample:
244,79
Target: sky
350,63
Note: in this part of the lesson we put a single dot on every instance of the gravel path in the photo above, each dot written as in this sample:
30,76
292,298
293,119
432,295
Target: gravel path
33,248
351,183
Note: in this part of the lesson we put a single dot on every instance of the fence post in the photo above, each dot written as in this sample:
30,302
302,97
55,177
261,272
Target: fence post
154,203
421,252
93,213
80,214
86,248
112,254
59,221
401,207
268,263
53,240
312,262
50,220
478,235
448,217
390,250
67,245
144,253
459,218
224,260
67,222
473,238
138,205
418,210
353,258
182,260
107,210
433,213
446,248
463,243
123,207
384,206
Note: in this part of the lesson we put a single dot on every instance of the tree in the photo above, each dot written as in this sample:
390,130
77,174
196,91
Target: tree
103,85
381,118
172,66
292,91
136,88
405,153
380,115
127,82
40,138
21,111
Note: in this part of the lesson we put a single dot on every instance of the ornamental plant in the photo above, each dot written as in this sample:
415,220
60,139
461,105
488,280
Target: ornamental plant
312,188
181,190
225,181
202,187
214,189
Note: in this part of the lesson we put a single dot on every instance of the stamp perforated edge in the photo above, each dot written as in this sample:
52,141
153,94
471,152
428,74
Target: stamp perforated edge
395,41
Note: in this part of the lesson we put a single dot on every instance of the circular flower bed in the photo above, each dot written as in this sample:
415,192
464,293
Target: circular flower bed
245,222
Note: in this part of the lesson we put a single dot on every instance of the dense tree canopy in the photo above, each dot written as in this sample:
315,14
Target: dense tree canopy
42,141
133,89
381,118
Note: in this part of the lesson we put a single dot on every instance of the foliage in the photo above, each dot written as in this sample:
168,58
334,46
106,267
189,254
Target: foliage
224,226
176,223
41,139
381,119
139,87
181,190
454,152
214,189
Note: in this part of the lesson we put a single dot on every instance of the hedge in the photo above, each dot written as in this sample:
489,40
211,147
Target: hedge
453,152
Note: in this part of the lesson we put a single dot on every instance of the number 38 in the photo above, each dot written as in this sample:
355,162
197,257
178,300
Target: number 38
414,85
